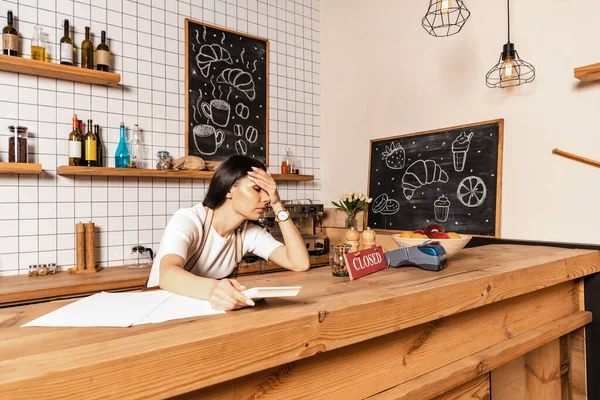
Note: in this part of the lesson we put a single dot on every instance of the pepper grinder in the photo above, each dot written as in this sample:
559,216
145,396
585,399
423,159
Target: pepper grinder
80,246
368,238
90,253
352,238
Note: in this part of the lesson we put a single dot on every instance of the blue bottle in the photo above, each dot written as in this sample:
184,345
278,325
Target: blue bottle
122,153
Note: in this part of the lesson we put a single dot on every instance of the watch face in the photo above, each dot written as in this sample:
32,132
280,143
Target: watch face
283,215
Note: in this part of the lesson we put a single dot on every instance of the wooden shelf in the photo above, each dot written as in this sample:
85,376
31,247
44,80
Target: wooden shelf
155,173
589,73
20,168
57,71
575,157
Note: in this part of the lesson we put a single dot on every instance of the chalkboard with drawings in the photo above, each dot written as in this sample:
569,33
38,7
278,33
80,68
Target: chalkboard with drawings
452,176
226,93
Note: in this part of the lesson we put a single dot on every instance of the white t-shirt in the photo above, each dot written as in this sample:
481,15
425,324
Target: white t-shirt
183,235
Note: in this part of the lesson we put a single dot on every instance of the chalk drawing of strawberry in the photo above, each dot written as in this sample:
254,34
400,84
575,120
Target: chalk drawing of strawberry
394,156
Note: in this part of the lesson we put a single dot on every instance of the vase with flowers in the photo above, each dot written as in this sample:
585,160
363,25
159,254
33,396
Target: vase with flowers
351,203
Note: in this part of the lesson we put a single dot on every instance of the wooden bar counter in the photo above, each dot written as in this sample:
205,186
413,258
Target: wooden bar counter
516,311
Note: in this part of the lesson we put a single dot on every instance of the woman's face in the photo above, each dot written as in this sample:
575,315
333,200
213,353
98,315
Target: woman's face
248,199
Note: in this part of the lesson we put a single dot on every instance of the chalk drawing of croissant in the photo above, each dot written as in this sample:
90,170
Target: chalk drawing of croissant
210,53
421,173
240,80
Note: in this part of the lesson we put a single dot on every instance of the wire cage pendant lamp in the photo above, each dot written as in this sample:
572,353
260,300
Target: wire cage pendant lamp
445,17
510,70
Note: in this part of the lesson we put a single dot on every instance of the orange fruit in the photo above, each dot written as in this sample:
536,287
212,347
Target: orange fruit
453,235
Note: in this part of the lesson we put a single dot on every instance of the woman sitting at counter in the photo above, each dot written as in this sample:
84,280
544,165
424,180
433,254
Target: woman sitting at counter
202,245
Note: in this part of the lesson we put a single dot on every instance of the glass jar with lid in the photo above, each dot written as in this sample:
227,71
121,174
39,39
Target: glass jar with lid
337,261
163,160
17,144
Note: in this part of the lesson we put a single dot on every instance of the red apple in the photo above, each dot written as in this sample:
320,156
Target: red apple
439,235
433,228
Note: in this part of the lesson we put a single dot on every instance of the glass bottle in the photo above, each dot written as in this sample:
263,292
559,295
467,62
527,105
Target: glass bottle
99,147
122,153
38,44
102,54
75,143
10,37
163,160
66,46
136,149
87,51
337,261
91,154
17,144
80,130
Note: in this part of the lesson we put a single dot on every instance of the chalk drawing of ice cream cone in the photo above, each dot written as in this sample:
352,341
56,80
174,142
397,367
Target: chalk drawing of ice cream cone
460,148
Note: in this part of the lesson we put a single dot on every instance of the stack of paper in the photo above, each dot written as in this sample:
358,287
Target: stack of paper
125,309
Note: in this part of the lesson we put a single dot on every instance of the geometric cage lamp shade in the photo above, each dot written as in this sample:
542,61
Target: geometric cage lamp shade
510,70
445,17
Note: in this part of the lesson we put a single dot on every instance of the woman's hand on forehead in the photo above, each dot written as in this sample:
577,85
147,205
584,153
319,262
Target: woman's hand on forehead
265,181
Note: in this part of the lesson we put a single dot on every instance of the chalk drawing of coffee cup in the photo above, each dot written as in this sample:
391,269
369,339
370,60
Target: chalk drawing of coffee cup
208,139
217,111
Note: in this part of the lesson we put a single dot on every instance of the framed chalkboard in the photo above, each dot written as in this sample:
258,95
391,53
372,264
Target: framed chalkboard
452,176
227,93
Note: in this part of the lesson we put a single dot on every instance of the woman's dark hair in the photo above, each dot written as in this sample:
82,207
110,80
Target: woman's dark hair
228,173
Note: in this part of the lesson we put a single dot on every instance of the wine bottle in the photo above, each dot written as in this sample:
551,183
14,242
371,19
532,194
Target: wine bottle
136,149
10,37
75,144
80,130
99,147
102,54
38,44
66,46
122,153
91,154
87,51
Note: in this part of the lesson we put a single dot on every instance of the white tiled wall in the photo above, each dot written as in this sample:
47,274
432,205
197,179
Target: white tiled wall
38,214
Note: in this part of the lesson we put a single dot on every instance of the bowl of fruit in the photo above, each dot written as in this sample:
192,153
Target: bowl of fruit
452,242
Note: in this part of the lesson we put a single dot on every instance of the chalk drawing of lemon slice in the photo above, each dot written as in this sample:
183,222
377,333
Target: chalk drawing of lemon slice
471,191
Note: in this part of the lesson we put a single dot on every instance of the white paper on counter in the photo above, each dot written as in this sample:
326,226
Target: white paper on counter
176,307
124,310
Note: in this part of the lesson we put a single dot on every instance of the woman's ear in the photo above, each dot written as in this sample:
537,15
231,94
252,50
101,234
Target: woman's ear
228,195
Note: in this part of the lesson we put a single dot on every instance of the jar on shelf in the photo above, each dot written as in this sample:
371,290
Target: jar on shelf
17,144
163,160
337,261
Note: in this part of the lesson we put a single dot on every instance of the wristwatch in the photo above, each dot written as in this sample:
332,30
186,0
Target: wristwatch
282,215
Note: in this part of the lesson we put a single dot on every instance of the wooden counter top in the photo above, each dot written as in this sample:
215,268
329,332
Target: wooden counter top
23,288
180,356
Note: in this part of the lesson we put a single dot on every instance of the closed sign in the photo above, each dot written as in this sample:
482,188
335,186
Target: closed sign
365,262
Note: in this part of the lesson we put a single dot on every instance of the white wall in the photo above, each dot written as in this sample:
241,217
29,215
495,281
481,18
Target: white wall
383,75
38,214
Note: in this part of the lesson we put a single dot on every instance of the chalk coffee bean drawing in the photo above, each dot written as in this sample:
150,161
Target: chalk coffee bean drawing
242,110
238,130
241,147
251,134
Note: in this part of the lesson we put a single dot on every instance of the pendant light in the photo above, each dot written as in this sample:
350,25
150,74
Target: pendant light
445,17
510,70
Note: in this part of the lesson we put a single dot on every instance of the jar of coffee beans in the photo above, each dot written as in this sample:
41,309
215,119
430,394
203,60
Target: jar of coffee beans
17,144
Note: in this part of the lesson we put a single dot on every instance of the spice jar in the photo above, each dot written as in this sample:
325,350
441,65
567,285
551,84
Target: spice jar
32,270
52,269
42,269
17,144
337,261
163,160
